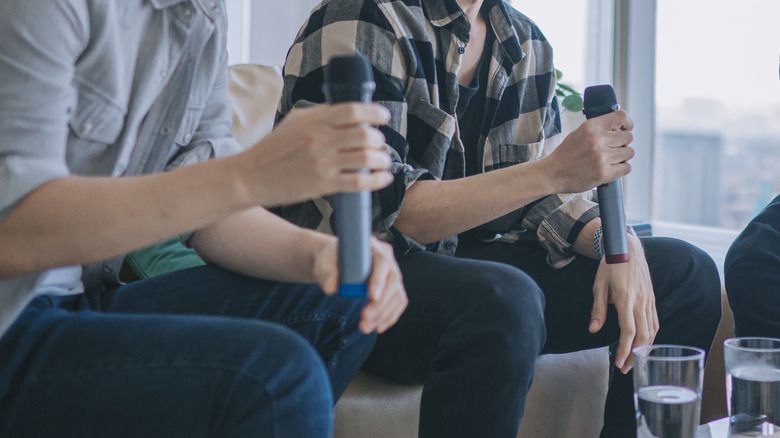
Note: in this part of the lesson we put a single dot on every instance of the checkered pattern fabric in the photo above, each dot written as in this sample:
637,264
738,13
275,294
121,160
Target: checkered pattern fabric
416,48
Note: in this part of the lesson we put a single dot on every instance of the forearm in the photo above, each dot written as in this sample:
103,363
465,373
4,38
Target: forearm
434,210
258,243
79,220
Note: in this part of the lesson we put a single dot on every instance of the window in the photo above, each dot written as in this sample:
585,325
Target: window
717,134
581,34
564,23
262,32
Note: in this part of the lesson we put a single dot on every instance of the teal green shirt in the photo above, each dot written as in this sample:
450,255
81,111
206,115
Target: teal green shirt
165,257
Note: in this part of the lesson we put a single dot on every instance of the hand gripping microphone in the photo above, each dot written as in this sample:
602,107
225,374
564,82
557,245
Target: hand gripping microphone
600,100
349,79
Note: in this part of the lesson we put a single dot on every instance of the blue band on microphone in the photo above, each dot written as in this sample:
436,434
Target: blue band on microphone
358,290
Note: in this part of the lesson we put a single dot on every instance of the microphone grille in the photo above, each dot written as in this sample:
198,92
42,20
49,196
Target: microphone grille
599,95
348,69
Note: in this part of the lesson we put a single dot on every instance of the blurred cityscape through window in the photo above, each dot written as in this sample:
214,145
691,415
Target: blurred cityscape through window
717,141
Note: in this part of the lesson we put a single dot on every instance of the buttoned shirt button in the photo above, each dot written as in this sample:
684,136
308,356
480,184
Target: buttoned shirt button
215,6
165,130
163,74
186,11
187,138
108,269
87,128
461,50
449,246
501,75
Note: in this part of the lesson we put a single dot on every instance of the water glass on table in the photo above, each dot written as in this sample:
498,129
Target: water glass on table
667,390
753,386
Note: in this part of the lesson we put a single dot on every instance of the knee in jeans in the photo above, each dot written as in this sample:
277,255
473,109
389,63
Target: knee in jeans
704,270
300,372
690,265
687,261
514,312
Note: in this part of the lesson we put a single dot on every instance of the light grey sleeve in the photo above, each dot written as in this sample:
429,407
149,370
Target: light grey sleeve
212,136
207,133
41,40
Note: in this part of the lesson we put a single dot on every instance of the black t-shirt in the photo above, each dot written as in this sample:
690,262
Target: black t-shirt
470,112
472,105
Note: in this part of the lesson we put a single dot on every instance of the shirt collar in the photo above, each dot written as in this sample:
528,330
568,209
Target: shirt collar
441,13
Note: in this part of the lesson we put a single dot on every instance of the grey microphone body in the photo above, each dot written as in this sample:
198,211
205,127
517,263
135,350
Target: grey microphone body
350,79
600,100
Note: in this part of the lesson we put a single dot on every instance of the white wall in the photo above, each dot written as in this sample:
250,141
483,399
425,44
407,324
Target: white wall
262,31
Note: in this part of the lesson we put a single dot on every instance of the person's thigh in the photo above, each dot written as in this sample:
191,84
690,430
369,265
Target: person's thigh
568,294
686,286
471,334
443,291
88,374
685,283
330,323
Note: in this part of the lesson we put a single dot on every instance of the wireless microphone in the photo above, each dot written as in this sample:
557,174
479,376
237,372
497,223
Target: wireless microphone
600,100
349,79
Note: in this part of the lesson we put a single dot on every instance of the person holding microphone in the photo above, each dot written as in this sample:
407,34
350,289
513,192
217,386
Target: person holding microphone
492,215
97,99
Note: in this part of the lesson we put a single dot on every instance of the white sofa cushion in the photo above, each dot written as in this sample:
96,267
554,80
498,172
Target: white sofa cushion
254,91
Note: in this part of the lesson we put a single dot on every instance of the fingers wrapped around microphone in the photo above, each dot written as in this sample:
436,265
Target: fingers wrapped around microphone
316,152
347,114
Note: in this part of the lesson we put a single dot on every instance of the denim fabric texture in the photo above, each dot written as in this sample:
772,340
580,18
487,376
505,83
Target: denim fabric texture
196,353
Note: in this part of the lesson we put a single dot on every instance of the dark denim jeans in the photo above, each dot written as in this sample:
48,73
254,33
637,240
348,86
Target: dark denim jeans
476,323
196,353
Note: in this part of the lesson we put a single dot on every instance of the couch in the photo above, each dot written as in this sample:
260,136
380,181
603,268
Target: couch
568,392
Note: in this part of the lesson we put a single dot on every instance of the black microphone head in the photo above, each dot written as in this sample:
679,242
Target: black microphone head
348,69
599,100
599,95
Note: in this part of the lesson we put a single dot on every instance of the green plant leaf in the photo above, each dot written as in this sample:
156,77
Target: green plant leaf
558,74
568,88
572,103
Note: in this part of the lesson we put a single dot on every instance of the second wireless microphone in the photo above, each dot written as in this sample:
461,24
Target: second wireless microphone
350,79
600,100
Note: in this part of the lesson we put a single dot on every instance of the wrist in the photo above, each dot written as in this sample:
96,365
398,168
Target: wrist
633,240
239,175
549,175
598,243
316,245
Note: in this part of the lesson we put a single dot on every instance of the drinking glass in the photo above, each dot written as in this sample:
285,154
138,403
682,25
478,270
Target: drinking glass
667,390
753,386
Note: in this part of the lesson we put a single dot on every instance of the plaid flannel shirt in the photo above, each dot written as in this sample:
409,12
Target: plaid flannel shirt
416,48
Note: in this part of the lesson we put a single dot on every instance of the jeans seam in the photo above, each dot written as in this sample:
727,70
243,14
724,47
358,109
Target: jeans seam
340,323
315,317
